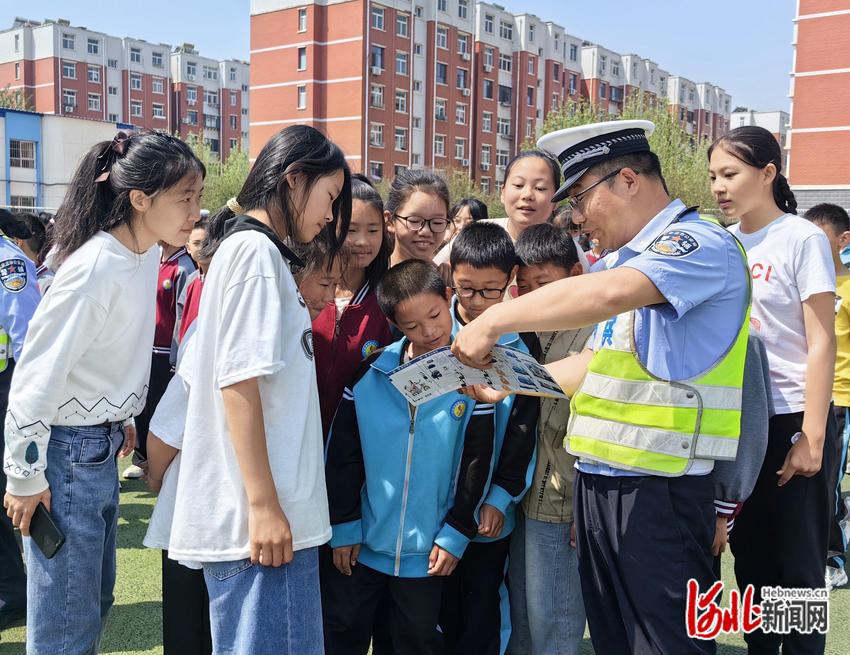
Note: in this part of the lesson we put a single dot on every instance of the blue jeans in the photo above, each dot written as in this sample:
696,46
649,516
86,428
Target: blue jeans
547,611
262,610
69,596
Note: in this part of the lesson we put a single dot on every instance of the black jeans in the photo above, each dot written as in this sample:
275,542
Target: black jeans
185,610
161,375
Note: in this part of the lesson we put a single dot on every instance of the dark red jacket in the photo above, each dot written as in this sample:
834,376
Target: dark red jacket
339,349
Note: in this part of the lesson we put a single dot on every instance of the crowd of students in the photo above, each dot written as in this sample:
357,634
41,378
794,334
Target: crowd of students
304,506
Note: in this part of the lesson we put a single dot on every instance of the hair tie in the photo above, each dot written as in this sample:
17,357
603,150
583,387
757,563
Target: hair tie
234,206
116,148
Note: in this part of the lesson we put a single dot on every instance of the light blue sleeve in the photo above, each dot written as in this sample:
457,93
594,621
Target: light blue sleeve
689,264
19,297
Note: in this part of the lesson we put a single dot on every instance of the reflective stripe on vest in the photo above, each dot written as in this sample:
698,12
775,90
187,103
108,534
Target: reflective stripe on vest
5,344
624,416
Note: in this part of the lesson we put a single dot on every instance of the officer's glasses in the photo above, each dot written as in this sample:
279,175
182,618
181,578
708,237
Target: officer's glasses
416,223
574,202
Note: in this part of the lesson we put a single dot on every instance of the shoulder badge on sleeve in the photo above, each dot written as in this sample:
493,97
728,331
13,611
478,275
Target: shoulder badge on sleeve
13,274
675,243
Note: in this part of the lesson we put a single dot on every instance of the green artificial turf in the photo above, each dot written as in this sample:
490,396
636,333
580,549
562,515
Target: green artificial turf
134,626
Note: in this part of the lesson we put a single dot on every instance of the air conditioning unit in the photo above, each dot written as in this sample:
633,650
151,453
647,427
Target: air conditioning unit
191,78
186,121
488,68
485,166
466,92
465,56
464,162
376,70
69,108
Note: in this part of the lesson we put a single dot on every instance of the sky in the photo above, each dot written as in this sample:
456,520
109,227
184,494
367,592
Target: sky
743,46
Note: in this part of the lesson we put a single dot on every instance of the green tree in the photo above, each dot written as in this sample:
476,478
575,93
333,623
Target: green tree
16,99
224,178
683,159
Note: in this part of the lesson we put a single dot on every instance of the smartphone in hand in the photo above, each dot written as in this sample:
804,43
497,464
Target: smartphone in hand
45,533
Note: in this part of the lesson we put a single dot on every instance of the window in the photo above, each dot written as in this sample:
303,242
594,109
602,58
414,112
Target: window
442,73
113,118
418,11
244,88
244,111
652,77
488,89
504,94
22,203
616,94
485,156
302,58
398,169
191,94
554,101
462,9
302,19
213,144
529,96
69,70
439,145
460,114
690,95
136,55
531,65
17,42
461,78
417,123
557,45
376,170
378,18
234,143
505,63
136,108
440,109
377,96
112,63
69,98
401,101
17,70
573,52
233,123
442,5
506,30
378,57
531,33
156,59
460,148
211,97
158,110
488,23
603,62
94,74
442,38
191,69
485,183
602,93
502,158
22,153
67,41
192,117
135,81
401,25
210,121
376,135
94,102
573,83
93,46
503,125
556,72
401,63
615,69
401,139
417,86
157,85
302,96
417,48
487,121
462,44
488,57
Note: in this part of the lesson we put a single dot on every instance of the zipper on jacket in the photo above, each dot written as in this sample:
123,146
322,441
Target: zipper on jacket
399,540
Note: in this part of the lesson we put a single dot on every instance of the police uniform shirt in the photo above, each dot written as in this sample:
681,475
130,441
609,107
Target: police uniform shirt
697,267
19,294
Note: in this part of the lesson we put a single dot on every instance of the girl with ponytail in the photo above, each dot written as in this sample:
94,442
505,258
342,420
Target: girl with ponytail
83,372
253,509
780,537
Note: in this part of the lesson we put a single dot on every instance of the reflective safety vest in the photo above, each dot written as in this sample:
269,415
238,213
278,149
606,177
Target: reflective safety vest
5,344
625,416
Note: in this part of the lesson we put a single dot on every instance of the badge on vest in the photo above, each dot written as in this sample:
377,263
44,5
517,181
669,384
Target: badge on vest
458,410
13,274
675,244
368,348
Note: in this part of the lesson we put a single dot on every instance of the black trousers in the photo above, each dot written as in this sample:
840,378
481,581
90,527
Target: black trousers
161,375
13,581
349,605
471,615
640,539
780,536
837,545
185,610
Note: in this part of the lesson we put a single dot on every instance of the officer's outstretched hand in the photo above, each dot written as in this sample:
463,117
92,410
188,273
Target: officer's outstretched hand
473,345
804,458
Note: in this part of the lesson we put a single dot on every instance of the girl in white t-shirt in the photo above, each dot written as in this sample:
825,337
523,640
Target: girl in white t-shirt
254,509
83,374
780,537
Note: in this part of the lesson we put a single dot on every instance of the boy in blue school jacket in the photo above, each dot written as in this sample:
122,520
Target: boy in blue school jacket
475,617
405,484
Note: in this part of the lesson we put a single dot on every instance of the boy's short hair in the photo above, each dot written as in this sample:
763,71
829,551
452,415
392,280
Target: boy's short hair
405,280
544,244
829,214
484,245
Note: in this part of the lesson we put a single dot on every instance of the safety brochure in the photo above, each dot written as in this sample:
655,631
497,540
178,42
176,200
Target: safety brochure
439,371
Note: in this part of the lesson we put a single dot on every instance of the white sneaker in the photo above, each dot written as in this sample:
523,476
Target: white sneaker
835,577
133,472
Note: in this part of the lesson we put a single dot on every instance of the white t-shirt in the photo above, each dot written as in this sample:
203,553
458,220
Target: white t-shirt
790,260
252,323
86,358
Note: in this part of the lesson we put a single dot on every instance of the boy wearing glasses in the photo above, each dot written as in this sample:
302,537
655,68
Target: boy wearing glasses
475,614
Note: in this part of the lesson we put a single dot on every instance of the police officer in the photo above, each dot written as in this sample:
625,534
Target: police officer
19,297
657,397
